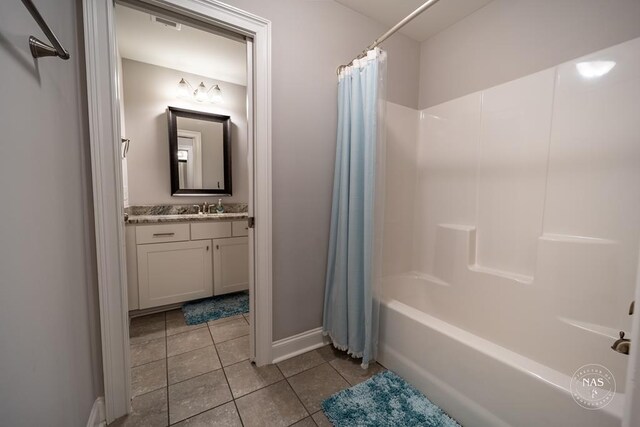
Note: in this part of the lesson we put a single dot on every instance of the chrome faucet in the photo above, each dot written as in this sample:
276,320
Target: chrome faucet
622,344
204,208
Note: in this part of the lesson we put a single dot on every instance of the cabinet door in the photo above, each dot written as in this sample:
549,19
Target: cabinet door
230,265
174,272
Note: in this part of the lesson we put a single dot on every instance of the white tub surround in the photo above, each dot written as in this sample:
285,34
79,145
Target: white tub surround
523,245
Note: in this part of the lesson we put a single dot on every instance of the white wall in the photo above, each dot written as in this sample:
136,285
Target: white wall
50,368
508,39
148,91
310,39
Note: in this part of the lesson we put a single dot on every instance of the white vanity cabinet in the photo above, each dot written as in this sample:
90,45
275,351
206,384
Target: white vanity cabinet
170,263
230,265
174,272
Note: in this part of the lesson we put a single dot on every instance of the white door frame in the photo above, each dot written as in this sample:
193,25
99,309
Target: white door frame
104,126
631,416
195,152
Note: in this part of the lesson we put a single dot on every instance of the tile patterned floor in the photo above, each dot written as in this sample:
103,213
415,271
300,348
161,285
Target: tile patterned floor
201,376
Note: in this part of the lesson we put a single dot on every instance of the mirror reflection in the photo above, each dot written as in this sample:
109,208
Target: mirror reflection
200,154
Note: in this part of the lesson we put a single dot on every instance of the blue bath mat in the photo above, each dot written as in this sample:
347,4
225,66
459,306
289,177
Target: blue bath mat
216,308
384,400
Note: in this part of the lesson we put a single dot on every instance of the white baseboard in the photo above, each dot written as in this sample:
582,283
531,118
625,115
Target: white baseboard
292,346
97,416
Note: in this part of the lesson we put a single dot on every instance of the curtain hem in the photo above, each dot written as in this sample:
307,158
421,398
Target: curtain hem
341,347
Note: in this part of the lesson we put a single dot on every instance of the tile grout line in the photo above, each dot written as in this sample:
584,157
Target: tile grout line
238,411
166,353
228,385
226,378
233,398
338,372
294,390
295,393
225,373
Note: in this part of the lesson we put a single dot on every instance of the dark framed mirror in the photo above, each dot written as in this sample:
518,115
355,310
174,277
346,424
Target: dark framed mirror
199,153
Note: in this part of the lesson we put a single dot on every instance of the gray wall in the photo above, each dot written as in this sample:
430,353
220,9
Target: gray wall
50,368
310,39
148,91
508,39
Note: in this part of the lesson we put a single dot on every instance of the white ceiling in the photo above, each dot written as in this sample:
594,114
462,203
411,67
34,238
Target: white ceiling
190,50
433,20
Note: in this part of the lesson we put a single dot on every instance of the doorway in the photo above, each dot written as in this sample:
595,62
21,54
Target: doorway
108,177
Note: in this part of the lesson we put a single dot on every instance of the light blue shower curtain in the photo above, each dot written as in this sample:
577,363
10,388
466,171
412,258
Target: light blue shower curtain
350,315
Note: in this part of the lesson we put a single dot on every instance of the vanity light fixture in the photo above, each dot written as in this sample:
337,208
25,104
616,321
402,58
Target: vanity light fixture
200,93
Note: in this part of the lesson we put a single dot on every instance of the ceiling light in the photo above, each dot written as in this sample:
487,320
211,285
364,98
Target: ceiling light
594,69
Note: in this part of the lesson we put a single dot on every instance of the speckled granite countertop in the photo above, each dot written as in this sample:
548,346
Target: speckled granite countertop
182,213
150,219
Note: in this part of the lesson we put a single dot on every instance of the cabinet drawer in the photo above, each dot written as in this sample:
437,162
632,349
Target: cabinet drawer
162,233
240,228
210,230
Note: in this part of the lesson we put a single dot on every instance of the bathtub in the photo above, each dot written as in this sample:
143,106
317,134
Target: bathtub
476,381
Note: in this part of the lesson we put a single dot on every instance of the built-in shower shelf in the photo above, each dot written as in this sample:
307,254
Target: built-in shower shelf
566,238
425,276
520,278
591,327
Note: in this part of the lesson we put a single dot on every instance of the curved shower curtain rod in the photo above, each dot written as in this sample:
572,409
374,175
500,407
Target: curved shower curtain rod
391,31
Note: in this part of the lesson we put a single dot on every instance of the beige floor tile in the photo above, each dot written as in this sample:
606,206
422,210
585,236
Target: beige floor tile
233,351
148,351
193,363
148,410
148,377
351,370
245,377
224,320
329,352
223,416
316,384
145,330
155,317
175,314
321,419
187,341
197,395
229,330
273,406
300,363
305,422
178,326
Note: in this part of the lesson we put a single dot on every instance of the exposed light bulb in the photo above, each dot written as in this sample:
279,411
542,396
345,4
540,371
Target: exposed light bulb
594,69
216,94
201,93
184,91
